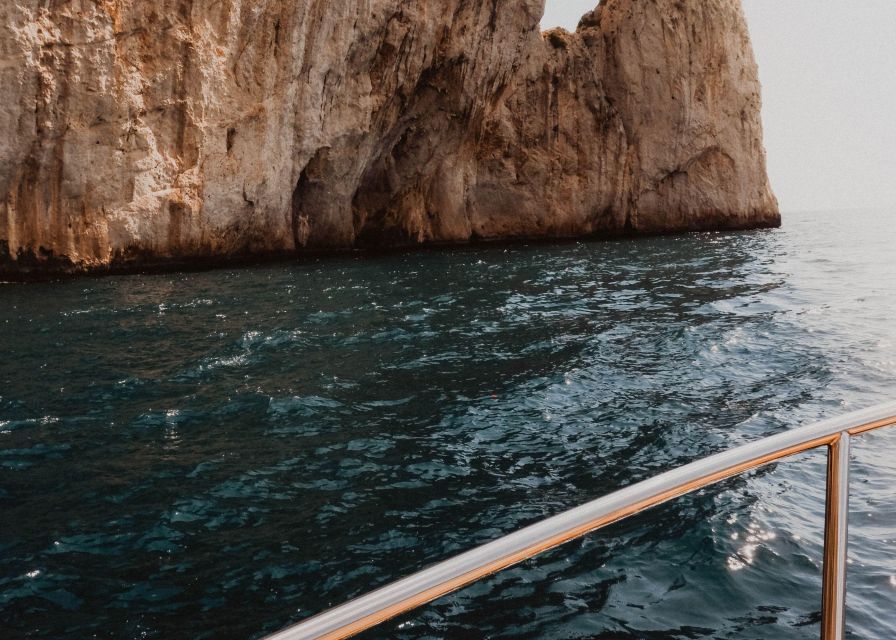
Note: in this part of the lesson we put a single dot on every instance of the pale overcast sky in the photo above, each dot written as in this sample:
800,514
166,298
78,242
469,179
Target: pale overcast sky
828,70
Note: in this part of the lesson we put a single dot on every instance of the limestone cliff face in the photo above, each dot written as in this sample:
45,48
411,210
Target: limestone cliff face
134,132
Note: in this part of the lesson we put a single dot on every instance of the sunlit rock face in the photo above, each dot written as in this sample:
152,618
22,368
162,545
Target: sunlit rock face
134,132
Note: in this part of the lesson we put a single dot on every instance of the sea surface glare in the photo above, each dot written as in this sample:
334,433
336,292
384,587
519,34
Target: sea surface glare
220,454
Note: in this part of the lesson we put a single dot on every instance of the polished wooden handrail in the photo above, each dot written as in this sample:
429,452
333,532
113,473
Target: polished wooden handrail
449,576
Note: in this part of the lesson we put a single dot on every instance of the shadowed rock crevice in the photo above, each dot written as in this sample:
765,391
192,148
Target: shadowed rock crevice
199,129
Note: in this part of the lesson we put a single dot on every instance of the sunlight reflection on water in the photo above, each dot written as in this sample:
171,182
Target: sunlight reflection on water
218,454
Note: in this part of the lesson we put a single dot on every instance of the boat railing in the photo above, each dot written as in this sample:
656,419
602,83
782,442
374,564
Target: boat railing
446,577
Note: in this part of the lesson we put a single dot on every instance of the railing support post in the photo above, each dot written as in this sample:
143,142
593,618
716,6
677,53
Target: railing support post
833,608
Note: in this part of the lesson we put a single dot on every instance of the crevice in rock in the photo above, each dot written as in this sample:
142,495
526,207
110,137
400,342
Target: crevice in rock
300,222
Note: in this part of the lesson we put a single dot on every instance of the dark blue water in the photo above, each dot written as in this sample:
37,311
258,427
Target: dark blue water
216,455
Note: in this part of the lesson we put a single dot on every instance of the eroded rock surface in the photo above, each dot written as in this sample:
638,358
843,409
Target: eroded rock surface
134,132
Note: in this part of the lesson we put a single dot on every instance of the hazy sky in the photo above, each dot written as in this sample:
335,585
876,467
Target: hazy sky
828,70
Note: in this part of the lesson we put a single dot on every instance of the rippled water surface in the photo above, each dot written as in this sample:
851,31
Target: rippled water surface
216,455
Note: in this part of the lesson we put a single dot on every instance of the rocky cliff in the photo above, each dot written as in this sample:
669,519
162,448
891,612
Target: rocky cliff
136,132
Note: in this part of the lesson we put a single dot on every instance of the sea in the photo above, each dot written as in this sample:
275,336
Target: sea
220,454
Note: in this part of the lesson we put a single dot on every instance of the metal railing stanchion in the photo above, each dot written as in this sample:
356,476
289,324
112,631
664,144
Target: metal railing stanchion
836,528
